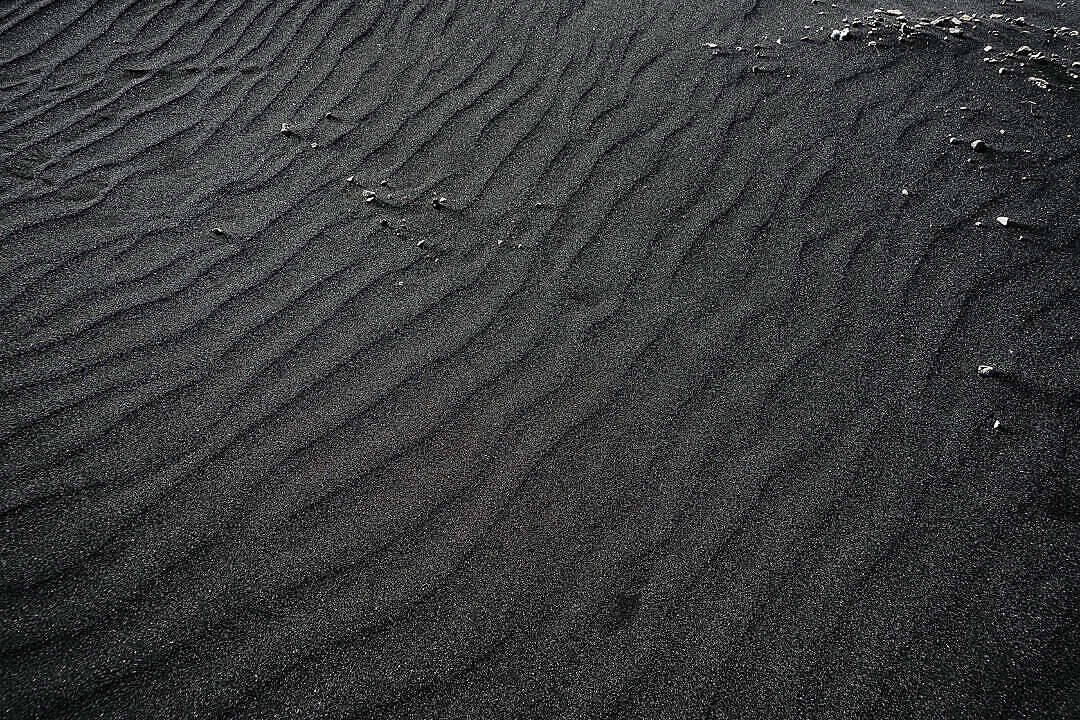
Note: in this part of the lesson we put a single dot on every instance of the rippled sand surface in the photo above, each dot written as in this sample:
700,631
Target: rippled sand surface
454,359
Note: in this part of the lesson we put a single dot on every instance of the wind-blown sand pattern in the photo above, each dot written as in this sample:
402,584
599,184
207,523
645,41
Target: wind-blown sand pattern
555,359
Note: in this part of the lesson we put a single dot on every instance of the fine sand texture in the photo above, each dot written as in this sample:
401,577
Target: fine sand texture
556,359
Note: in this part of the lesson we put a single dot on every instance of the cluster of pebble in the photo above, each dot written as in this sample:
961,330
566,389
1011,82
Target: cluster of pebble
889,26
1025,60
959,26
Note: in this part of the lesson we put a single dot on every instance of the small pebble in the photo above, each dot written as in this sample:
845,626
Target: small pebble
987,371
978,145
1003,221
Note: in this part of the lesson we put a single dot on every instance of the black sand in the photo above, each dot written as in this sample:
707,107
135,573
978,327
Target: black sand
669,408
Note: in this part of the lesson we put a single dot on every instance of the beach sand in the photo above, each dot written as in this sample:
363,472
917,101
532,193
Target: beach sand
533,360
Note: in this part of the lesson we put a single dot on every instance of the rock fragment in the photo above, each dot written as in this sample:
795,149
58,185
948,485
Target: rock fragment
979,146
1003,221
988,371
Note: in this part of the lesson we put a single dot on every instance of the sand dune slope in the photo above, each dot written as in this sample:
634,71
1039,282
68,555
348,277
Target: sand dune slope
454,359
